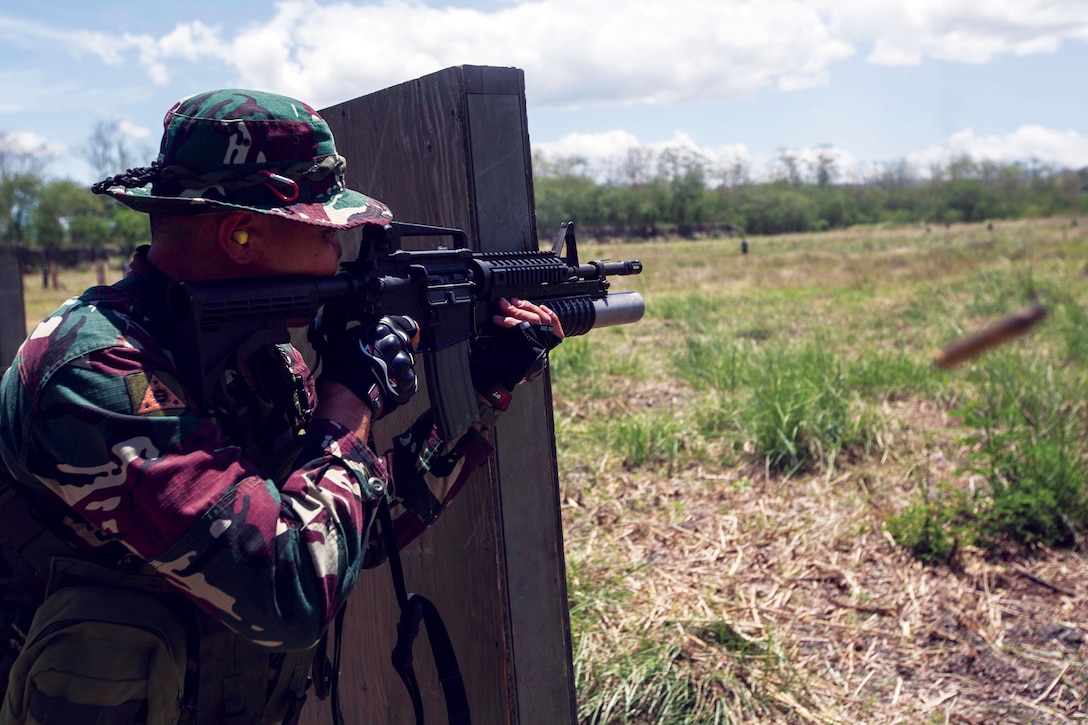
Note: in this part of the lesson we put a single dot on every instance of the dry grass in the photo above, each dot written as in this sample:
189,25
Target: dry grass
786,598
863,632
39,300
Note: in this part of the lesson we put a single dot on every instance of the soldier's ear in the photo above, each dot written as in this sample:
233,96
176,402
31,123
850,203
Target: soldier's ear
236,235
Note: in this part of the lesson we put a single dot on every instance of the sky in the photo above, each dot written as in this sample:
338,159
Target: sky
873,84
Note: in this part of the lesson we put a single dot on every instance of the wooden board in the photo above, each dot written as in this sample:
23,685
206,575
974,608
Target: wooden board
452,149
12,316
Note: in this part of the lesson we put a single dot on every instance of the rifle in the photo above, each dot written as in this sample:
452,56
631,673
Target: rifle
451,291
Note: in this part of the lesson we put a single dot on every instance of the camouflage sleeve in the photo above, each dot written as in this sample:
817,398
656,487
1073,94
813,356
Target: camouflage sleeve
115,438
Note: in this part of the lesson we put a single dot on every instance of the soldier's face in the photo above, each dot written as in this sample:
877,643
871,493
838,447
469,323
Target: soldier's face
290,247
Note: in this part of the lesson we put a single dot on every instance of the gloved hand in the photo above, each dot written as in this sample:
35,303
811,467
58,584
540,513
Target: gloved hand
513,356
373,361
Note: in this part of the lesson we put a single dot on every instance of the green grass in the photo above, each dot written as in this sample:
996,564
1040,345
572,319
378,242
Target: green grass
793,362
644,438
1028,447
649,680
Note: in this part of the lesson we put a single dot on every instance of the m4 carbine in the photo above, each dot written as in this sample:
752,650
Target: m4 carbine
451,291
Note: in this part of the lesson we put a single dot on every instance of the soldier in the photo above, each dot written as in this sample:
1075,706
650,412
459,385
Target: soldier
195,555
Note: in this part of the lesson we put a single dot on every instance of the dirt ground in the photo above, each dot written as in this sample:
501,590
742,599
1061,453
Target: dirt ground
847,627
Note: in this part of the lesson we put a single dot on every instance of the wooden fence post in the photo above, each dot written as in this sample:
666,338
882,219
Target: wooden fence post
12,314
452,149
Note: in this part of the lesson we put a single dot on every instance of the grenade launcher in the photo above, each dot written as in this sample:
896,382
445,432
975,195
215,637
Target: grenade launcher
451,291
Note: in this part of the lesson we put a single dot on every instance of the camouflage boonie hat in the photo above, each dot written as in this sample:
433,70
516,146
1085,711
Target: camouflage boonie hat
239,149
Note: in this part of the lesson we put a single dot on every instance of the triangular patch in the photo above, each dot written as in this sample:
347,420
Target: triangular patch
158,397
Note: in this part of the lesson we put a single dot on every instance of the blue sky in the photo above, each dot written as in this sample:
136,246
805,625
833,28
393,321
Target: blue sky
873,82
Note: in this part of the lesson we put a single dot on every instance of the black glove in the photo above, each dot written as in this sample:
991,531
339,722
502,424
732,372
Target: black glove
514,355
373,361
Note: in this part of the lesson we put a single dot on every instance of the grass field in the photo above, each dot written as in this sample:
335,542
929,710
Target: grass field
777,510
727,514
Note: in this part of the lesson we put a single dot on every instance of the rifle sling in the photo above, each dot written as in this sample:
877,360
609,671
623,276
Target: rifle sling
414,607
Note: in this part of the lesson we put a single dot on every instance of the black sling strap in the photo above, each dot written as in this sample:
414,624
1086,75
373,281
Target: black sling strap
413,608
326,673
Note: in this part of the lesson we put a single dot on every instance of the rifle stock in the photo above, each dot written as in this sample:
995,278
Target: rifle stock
452,292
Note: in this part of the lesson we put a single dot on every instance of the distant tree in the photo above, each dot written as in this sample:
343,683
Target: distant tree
735,172
128,228
826,169
836,207
898,175
684,172
789,167
90,231
962,167
563,192
676,161
19,197
636,166
778,208
688,197
109,151
688,189
62,204
21,169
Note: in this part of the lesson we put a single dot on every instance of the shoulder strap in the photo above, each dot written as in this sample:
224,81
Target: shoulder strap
414,607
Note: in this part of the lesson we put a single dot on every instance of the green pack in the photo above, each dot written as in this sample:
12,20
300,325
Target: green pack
98,654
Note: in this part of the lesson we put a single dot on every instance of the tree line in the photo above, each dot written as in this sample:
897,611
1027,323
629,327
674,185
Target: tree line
643,193
53,218
679,191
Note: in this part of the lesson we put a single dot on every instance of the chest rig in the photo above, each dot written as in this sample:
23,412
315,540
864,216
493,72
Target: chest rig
263,406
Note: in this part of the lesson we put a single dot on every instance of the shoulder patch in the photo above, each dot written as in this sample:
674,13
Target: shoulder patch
155,393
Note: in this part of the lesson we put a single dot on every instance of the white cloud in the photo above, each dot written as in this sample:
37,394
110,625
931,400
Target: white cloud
590,145
574,52
190,42
579,53
25,153
620,156
907,32
583,53
131,130
26,142
1027,144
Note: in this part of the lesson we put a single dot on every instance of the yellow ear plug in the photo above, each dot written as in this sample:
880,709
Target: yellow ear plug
241,237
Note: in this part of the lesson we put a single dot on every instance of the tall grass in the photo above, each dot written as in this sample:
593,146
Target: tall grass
802,411
793,359
1028,445
646,437
798,405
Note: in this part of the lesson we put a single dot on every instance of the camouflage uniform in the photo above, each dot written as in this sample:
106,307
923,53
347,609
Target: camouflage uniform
96,414
254,510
